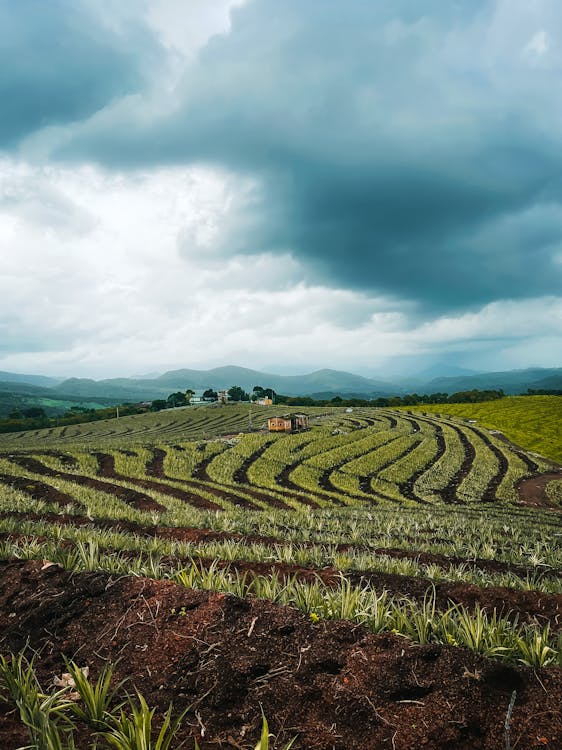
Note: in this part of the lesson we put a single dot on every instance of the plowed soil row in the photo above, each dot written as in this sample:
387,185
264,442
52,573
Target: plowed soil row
39,490
195,535
449,493
240,476
333,685
365,481
524,606
407,489
131,497
489,494
106,463
283,479
155,467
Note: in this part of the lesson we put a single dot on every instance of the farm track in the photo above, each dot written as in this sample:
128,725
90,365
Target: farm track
136,499
532,491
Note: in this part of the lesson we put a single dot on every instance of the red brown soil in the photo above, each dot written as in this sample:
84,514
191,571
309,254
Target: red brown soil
134,498
532,491
155,467
106,464
331,684
39,490
196,534
515,604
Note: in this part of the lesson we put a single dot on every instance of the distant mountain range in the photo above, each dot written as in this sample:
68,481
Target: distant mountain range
325,382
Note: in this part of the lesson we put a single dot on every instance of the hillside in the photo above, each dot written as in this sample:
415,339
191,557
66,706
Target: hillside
225,377
17,396
533,422
511,382
321,381
325,381
381,559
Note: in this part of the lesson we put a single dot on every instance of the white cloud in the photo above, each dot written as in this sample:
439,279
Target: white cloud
97,278
110,272
537,46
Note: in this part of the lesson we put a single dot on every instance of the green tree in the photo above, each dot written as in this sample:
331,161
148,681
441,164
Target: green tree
258,392
176,399
236,393
34,412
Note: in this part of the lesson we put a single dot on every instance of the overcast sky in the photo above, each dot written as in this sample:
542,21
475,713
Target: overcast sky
370,185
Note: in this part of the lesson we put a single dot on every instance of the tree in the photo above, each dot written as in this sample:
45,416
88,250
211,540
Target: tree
188,394
257,392
176,399
210,395
34,412
235,393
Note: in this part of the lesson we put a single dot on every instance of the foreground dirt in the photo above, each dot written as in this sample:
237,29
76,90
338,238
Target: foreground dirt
331,684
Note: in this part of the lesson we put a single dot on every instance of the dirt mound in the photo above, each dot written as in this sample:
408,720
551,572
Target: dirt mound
332,684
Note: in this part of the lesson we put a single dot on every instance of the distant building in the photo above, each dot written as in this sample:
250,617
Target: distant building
264,402
288,423
222,397
197,397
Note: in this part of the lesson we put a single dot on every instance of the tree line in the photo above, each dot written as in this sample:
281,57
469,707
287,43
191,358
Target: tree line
35,417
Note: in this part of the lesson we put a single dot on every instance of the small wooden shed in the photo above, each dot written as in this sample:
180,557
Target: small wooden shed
288,423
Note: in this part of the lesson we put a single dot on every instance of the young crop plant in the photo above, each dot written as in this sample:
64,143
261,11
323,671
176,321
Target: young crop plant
263,743
42,713
134,730
554,491
96,698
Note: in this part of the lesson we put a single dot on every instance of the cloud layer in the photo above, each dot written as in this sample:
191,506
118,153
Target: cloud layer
390,172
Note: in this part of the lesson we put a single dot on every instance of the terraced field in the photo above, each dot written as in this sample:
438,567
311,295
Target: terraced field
384,579
530,421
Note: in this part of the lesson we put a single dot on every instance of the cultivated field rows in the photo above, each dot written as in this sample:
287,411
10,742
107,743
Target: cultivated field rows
407,524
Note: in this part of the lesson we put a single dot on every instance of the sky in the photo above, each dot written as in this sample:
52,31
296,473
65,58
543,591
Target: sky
366,185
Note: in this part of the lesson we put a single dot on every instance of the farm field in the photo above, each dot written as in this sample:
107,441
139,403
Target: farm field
386,579
533,422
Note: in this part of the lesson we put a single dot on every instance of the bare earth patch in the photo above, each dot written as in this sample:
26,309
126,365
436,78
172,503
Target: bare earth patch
332,684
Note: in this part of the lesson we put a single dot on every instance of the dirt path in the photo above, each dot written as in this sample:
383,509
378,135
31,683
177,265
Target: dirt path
532,491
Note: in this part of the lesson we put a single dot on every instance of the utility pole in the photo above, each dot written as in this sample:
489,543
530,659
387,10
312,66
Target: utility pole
250,426
117,412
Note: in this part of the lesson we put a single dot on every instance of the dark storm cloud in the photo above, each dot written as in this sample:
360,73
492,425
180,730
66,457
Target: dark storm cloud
404,147
59,63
